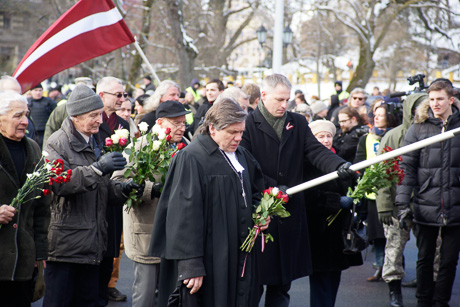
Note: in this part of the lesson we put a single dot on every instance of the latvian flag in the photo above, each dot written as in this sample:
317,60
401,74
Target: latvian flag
89,29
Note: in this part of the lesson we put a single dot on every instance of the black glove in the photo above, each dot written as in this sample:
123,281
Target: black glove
156,190
283,188
345,173
127,187
404,212
386,217
110,162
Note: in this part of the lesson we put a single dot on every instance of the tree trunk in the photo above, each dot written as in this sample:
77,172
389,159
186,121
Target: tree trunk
186,50
364,69
136,65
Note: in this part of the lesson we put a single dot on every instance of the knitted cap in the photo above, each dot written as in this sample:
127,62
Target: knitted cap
83,100
322,125
318,106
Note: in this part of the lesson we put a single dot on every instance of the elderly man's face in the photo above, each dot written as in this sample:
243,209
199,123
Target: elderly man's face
89,123
14,123
276,100
171,94
229,138
125,110
177,126
112,102
37,93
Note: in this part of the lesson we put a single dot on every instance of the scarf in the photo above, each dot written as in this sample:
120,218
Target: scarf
277,123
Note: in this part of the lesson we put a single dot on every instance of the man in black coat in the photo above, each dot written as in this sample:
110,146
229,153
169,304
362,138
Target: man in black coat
213,89
282,142
112,93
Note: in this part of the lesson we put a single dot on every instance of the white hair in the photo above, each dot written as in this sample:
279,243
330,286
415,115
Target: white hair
7,97
106,84
272,81
152,103
234,93
9,83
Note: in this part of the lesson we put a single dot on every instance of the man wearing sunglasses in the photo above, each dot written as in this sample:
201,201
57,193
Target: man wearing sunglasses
357,98
112,93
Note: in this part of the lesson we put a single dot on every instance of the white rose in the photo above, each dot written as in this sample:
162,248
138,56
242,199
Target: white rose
275,191
115,138
143,127
45,154
157,129
156,145
122,133
161,135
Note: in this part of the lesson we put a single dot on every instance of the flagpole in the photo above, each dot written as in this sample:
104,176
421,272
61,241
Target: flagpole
142,54
386,156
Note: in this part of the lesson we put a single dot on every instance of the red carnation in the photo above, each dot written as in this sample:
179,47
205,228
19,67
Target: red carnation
66,179
51,181
108,142
123,141
46,192
180,146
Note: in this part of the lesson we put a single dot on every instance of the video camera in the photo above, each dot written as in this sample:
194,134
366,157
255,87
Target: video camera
419,78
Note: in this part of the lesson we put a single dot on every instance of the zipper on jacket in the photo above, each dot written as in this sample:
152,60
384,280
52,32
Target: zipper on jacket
443,218
16,241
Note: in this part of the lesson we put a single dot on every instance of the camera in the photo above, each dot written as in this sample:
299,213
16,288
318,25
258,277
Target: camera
419,78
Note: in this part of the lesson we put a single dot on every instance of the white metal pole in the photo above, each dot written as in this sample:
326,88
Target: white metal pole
386,156
278,37
142,54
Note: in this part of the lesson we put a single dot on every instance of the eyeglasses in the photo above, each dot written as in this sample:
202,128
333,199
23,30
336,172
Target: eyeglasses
118,94
343,121
358,98
177,125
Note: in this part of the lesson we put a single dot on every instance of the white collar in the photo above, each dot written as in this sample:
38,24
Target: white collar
232,157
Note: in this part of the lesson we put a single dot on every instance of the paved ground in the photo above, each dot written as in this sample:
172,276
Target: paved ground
354,289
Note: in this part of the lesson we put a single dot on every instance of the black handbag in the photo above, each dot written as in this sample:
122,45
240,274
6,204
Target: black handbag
354,239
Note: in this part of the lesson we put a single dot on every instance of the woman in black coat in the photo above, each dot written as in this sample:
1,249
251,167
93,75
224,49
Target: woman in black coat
326,241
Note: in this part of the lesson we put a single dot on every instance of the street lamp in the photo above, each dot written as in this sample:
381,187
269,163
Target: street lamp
261,35
287,36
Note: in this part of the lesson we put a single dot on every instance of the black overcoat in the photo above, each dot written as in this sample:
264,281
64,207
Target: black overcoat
114,214
202,215
282,162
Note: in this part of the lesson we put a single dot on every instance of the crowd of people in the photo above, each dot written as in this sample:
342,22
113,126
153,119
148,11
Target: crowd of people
184,238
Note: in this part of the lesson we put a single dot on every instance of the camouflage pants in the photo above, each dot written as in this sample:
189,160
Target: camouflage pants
397,238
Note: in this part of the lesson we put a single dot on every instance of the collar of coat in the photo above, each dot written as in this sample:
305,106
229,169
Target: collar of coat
77,142
209,145
424,111
7,163
289,126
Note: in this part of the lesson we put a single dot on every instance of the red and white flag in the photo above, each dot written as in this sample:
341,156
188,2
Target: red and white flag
89,29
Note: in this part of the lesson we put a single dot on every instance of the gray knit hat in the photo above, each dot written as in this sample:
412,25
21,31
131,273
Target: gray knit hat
83,100
318,106
322,125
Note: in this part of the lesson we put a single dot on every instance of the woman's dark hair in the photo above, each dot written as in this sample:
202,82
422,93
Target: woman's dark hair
141,99
391,119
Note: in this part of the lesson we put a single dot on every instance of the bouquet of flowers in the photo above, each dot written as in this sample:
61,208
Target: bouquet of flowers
375,177
45,172
117,141
271,204
150,158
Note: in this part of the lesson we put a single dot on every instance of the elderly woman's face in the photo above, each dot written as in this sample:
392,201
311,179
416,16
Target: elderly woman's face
14,123
324,138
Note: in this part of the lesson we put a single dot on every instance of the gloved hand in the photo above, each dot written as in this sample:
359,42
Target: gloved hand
386,217
404,213
127,187
345,173
283,188
346,202
156,190
110,162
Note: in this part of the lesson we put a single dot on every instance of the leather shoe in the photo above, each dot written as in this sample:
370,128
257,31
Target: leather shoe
410,284
114,295
396,299
377,275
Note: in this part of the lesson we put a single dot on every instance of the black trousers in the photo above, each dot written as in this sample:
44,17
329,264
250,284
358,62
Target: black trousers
71,284
276,295
16,293
105,273
323,288
430,293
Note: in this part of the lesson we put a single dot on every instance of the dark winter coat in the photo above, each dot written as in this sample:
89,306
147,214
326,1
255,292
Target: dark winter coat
202,218
432,173
114,214
288,257
326,241
23,240
78,228
200,114
346,143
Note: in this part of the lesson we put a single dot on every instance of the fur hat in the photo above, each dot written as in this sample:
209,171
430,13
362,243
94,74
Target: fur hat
322,125
83,100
